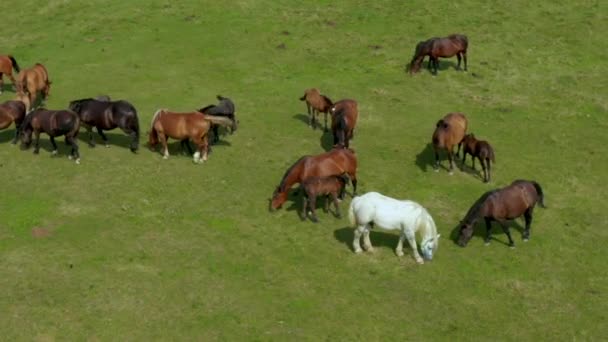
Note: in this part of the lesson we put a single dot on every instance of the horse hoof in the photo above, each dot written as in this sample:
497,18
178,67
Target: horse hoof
358,251
436,170
399,254
54,153
369,249
70,157
78,161
486,243
420,261
165,157
107,146
512,246
526,239
451,173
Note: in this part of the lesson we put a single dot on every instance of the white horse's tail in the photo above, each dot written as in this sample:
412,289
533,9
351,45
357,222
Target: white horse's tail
351,213
155,116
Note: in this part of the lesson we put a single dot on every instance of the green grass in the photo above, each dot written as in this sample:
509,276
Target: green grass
141,248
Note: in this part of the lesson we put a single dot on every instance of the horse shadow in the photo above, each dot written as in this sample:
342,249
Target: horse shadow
8,87
426,157
114,139
479,231
7,135
378,239
444,64
302,117
327,141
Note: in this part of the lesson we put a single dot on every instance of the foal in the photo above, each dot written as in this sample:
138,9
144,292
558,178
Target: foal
449,132
322,186
481,150
315,104
12,111
7,64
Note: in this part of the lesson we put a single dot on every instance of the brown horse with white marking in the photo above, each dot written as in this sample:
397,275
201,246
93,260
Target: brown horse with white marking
449,132
32,81
502,205
316,103
183,127
481,150
7,64
333,163
344,115
12,111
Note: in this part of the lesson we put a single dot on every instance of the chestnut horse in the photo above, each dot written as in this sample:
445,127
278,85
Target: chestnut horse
501,205
322,186
7,64
12,111
344,114
454,44
449,132
30,82
481,150
183,126
333,163
54,123
316,103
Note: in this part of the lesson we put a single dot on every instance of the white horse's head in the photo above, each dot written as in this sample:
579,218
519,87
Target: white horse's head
429,246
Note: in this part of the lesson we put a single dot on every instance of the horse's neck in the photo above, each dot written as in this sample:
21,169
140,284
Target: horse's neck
291,178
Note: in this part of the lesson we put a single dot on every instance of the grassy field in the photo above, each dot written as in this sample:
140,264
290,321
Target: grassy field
133,247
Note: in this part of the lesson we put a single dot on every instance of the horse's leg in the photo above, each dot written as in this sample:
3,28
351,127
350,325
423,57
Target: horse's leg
358,232
435,65
451,159
484,168
2,83
367,243
489,168
134,138
304,213
10,76
528,218
74,153
17,132
36,141
312,200
326,208
216,133
325,115
103,136
411,239
336,204
205,147
436,166
464,56
54,146
90,132
505,228
399,248
163,141
309,113
459,58
488,231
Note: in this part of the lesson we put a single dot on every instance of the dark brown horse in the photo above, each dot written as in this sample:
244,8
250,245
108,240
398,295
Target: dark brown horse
322,186
481,150
449,132
501,205
106,115
225,108
454,44
32,81
335,162
316,103
344,115
193,126
54,123
12,111
7,64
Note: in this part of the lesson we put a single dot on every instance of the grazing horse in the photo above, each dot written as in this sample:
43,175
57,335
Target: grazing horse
322,186
316,103
344,114
406,216
449,131
423,49
54,123
7,64
501,205
12,111
481,150
183,126
107,115
454,44
224,108
332,163
30,82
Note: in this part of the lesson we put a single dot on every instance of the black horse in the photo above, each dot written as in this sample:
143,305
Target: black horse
104,114
224,108
54,123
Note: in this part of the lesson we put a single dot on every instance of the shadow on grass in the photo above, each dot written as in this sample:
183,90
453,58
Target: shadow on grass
302,117
378,238
426,157
7,135
479,232
327,141
8,87
444,64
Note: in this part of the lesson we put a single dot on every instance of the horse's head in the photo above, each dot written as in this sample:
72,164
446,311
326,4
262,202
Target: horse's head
465,234
26,131
278,198
429,246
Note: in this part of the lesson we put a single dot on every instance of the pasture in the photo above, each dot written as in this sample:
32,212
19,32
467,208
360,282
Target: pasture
131,246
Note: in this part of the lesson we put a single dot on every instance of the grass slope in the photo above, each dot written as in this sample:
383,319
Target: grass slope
134,247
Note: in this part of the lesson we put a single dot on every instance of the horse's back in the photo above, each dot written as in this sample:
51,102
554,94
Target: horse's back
458,122
386,212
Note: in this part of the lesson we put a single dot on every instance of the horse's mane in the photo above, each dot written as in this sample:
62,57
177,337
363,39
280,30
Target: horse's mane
473,213
328,100
282,184
27,121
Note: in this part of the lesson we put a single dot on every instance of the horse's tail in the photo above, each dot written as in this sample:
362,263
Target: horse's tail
303,97
153,137
351,213
491,156
222,121
15,65
541,196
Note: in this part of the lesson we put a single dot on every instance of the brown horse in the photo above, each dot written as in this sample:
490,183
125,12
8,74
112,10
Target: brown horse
7,64
335,162
322,186
449,132
12,111
32,81
481,150
183,126
344,114
501,205
316,103
54,123
454,44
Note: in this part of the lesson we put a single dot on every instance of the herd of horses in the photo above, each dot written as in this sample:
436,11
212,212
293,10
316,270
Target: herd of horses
326,174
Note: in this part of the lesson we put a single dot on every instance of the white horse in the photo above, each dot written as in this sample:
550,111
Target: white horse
406,216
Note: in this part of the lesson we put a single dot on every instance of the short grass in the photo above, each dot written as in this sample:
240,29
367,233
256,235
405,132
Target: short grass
134,247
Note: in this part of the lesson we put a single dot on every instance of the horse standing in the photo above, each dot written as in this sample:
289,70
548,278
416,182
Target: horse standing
316,103
344,114
332,163
32,81
54,123
406,216
449,132
322,186
183,126
454,44
107,115
515,200
225,108
7,64
481,150
12,111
